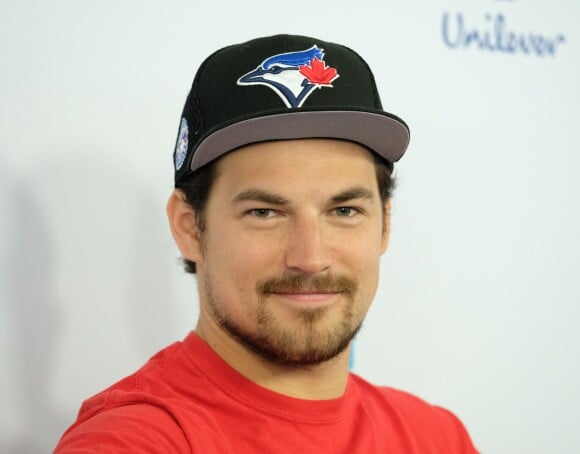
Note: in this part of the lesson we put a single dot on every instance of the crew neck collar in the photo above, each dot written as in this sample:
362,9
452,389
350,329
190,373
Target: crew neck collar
262,399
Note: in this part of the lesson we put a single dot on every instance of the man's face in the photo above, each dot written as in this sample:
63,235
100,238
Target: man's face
290,251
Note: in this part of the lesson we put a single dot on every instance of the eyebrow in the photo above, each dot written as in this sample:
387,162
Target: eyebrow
260,195
357,192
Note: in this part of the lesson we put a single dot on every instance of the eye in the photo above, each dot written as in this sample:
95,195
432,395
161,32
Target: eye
262,212
275,69
346,212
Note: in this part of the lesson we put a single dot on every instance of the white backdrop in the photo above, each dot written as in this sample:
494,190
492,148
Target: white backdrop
478,304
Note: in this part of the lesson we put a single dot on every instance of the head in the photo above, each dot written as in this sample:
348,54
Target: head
287,245
283,181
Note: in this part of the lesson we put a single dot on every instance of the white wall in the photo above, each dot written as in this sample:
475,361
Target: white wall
477,308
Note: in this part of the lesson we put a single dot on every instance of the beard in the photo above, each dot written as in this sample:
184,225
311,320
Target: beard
311,335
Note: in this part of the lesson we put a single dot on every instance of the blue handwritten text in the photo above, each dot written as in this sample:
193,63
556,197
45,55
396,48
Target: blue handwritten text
494,36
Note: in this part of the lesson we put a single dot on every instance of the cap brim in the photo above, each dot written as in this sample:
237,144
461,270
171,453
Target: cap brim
385,134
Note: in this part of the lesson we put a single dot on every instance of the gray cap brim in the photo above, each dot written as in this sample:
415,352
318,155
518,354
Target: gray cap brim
386,135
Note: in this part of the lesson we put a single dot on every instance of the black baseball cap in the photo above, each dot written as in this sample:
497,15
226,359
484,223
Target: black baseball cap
283,87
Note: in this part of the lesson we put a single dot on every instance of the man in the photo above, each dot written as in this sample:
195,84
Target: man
283,169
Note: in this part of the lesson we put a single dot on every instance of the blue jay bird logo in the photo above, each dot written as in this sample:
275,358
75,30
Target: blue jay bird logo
293,76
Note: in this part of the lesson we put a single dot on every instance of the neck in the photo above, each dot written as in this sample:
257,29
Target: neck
322,381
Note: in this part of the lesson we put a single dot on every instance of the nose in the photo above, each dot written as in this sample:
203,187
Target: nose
307,249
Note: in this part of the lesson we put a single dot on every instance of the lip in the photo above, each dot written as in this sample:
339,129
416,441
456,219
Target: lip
307,297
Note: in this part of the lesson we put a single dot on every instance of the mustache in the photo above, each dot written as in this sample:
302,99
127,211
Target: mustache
297,283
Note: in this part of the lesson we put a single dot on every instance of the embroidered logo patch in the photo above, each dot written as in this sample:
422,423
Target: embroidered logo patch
293,76
182,142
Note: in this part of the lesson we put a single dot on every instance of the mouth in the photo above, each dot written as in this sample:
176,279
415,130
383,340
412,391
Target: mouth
307,291
307,296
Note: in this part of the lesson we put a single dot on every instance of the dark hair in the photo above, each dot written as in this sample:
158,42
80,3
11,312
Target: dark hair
198,185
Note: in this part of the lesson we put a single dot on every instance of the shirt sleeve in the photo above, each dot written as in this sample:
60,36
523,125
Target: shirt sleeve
138,428
462,438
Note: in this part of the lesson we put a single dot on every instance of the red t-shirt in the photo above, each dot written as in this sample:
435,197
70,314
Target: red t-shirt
186,399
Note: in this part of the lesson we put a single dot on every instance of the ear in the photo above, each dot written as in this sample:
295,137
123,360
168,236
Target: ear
386,227
182,220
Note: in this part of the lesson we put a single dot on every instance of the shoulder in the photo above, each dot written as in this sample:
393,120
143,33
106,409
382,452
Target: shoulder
417,418
125,429
398,402
142,410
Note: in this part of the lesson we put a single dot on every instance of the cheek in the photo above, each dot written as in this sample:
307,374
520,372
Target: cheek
239,260
363,248
363,257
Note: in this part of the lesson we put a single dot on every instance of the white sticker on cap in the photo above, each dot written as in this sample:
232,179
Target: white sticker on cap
182,143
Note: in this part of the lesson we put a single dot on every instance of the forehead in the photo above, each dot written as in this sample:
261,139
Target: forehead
308,162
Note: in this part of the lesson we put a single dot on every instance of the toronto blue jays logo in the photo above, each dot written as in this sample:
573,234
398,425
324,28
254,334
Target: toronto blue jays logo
293,75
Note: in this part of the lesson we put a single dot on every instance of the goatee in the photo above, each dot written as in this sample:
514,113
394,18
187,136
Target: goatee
316,340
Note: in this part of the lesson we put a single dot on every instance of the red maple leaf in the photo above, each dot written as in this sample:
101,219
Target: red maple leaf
318,73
